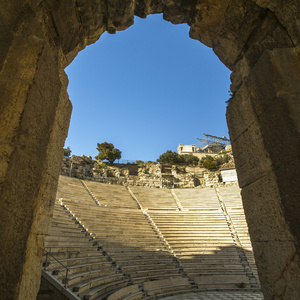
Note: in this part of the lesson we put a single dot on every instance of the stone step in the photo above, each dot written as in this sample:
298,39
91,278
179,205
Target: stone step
197,235
198,245
103,289
67,238
198,227
82,267
85,286
130,239
155,273
118,235
138,255
125,249
201,239
166,285
178,231
131,292
144,261
211,252
75,279
218,280
143,267
75,254
143,279
67,244
132,244
67,232
75,261
69,248
209,260
117,229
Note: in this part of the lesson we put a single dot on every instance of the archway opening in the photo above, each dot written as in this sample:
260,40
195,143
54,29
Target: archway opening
146,90
257,39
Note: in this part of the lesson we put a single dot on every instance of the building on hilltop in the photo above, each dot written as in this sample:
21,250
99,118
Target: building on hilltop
186,149
209,145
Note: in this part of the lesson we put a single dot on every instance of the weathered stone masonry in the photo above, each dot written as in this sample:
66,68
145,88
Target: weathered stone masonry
257,39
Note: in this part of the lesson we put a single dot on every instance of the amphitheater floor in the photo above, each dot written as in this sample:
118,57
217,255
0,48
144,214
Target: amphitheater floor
218,296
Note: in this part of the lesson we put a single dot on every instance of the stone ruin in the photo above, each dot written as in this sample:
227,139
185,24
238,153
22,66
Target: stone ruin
257,39
152,175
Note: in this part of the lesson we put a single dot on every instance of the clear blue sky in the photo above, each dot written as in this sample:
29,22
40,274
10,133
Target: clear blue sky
146,90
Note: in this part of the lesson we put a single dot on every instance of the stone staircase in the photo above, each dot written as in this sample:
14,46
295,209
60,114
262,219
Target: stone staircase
158,199
111,195
231,198
204,246
116,246
197,199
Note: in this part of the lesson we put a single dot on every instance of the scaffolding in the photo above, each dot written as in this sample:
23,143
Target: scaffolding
212,142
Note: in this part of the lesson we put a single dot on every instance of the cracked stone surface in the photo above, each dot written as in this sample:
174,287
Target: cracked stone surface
258,40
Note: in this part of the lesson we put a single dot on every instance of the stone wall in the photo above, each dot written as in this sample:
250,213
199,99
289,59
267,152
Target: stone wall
150,175
257,39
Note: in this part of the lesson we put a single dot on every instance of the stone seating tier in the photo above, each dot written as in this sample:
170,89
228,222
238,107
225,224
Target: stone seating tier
197,199
123,252
77,278
75,261
80,268
154,198
84,262
111,195
93,293
87,285
130,291
116,222
232,200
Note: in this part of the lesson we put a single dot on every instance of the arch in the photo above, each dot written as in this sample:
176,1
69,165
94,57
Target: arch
258,40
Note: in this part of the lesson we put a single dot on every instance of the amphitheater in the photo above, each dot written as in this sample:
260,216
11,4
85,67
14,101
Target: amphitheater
258,40
115,242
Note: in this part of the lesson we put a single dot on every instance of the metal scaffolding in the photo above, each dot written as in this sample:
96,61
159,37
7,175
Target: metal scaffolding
213,141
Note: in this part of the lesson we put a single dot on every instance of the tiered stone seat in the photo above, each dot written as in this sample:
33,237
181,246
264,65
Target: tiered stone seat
116,251
161,199
111,195
132,292
232,199
87,267
128,239
72,188
196,199
204,245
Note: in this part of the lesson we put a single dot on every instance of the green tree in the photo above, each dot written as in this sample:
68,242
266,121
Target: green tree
107,151
67,152
170,157
190,159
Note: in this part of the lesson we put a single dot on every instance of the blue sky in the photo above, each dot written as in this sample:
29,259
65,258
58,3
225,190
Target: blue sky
146,90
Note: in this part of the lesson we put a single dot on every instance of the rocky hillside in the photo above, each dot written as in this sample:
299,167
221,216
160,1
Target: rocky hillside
143,174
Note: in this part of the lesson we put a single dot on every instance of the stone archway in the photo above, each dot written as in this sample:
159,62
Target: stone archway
258,40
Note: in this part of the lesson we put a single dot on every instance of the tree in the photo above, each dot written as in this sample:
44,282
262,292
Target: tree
190,159
170,157
67,152
173,158
108,151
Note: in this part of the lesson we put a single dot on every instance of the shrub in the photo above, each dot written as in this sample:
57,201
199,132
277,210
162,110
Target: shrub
67,152
209,164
